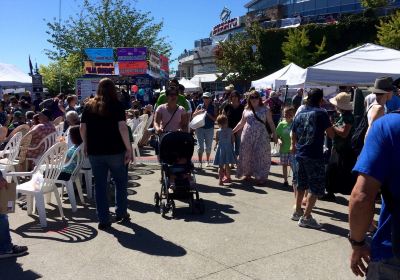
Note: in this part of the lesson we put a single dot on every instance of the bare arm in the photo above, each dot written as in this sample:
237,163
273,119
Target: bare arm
330,132
241,124
123,130
376,113
82,129
198,111
184,122
157,122
293,143
344,131
272,126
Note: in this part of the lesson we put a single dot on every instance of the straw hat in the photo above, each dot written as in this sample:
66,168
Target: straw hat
342,101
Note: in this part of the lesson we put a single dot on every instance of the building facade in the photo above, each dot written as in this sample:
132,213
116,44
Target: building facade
278,9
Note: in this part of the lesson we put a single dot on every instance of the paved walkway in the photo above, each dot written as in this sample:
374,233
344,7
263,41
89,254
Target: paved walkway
246,233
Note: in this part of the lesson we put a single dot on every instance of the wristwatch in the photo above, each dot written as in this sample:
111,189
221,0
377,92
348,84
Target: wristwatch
355,243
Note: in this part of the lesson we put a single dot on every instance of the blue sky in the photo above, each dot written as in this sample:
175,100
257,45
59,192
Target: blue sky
23,26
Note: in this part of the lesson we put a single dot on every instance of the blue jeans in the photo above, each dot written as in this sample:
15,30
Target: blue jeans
101,165
204,135
387,269
238,136
5,238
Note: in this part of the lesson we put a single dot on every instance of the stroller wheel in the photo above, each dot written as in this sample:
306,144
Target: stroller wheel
163,208
156,200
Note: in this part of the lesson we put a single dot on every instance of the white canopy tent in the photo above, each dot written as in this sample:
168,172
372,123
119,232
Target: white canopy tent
291,75
205,78
189,86
359,66
11,76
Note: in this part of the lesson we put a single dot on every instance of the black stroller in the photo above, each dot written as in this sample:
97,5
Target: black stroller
175,153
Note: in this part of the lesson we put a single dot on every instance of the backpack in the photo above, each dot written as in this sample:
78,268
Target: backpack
357,140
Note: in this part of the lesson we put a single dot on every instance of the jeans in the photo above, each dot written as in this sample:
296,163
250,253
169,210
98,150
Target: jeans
101,165
5,238
237,136
384,270
204,135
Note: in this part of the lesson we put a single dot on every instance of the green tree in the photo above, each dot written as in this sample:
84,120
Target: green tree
296,48
320,52
389,32
70,67
374,3
106,23
238,57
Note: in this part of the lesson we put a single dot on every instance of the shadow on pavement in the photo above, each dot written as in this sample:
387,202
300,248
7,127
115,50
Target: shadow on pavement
215,213
246,186
10,269
146,241
225,191
334,215
57,231
332,229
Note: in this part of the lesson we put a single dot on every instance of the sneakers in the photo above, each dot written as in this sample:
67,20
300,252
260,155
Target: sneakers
123,219
104,226
296,216
309,223
285,184
16,251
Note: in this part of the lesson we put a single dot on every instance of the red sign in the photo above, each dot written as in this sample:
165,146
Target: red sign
132,68
164,63
225,26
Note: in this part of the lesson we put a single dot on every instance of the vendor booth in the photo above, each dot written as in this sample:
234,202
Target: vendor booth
291,75
359,66
189,86
12,77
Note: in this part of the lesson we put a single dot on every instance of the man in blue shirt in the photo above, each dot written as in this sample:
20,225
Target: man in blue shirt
377,169
308,132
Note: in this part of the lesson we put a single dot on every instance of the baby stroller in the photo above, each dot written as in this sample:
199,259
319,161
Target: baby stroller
175,153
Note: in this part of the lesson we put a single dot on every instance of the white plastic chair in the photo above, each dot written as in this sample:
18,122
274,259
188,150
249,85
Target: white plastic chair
78,157
60,130
86,170
42,181
47,142
137,135
10,154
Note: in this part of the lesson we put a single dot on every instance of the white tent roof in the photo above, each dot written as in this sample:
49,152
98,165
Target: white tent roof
189,86
358,66
11,76
291,75
205,78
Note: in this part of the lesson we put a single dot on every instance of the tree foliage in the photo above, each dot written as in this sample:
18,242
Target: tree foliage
239,57
374,3
70,68
389,32
106,23
296,48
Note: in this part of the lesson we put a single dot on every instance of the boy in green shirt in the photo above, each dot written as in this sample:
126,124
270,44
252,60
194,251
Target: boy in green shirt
283,133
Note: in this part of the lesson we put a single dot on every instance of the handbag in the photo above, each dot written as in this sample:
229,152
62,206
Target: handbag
198,121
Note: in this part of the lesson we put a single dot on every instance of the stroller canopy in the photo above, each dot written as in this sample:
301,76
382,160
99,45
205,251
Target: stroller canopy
176,144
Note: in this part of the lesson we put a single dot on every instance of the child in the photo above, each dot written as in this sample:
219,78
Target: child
283,133
76,140
225,154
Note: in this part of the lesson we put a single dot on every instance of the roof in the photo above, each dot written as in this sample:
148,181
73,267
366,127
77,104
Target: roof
251,3
358,66
205,78
11,76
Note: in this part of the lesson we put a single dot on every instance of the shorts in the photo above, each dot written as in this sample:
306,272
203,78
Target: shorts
387,269
286,159
310,175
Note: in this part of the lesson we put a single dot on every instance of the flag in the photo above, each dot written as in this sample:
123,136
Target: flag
30,66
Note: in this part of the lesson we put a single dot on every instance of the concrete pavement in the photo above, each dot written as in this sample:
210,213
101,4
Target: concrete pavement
245,233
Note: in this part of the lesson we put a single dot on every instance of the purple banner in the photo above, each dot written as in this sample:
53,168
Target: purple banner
132,54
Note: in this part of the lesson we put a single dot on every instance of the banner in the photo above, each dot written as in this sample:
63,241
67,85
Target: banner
164,64
100,54
86,87
154,60
132,68
132,54
99,68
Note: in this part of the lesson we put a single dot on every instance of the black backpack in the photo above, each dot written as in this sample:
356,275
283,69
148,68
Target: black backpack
357,140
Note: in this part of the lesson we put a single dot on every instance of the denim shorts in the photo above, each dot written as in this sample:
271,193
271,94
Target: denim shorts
310,175
286,159
387,269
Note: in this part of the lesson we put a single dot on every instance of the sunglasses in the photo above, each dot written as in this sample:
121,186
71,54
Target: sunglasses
254,97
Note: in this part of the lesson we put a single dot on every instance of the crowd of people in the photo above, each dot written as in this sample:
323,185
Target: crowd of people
318,145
